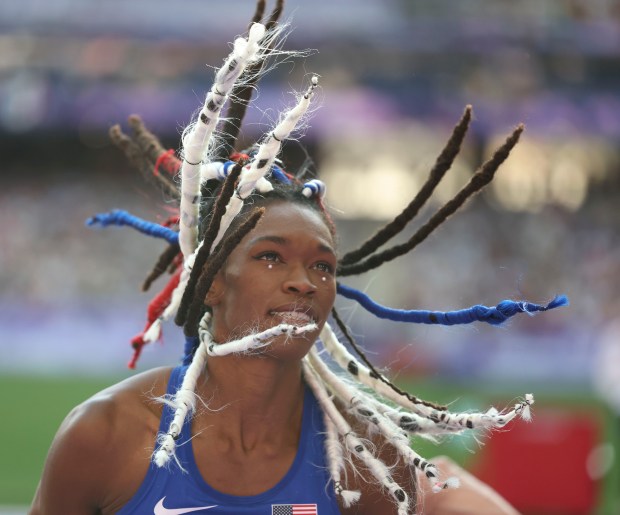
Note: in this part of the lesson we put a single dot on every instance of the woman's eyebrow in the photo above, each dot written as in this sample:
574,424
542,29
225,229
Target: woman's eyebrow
273,239
279,240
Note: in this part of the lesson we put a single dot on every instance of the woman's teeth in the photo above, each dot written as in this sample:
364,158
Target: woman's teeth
293,317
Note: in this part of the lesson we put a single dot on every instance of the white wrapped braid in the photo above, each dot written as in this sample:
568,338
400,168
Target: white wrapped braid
251,342
414,424
197,136
195,143
153,333
444,421
362,407
363,374
253,176
268,150
215,170
353,444
184,402
335,461
177,294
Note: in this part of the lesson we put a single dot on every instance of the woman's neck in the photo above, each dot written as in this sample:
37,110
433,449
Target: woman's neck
258,399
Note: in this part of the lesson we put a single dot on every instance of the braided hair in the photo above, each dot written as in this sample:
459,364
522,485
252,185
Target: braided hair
222,196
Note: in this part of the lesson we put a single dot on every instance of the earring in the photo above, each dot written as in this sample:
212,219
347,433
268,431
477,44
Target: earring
323,278
270,266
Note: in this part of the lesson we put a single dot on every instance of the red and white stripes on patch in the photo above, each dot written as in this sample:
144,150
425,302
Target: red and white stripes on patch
294,509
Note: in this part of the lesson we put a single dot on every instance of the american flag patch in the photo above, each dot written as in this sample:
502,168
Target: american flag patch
294,509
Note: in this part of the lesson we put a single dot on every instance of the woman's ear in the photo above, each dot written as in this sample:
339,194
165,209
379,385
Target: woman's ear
216,292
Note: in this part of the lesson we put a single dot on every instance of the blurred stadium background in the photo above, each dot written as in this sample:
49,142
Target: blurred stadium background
396,75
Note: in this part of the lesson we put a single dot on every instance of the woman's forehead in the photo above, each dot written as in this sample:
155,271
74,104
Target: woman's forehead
287,219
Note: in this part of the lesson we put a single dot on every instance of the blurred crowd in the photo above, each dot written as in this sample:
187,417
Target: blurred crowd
395,76
63,285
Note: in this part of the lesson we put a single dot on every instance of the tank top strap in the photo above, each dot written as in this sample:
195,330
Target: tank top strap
157,479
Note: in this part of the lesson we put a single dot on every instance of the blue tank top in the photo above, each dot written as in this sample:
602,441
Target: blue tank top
303,490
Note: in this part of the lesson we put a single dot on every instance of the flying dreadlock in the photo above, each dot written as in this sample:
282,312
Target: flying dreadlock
223,193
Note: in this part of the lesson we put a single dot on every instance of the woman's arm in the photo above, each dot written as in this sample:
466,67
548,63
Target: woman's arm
101,452
473,497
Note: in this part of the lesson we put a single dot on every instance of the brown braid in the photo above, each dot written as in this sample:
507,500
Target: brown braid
174,265
145,139
220,254
480,179
228,189
139,158
129,148
164,261
275,15
442,165
374,372
259,12
205,250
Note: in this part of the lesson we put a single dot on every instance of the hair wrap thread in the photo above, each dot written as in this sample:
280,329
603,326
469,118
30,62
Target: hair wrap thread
314,188
167,161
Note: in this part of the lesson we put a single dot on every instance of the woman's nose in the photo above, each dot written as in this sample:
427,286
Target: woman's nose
299,282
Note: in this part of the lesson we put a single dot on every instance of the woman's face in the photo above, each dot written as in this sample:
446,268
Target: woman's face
282,272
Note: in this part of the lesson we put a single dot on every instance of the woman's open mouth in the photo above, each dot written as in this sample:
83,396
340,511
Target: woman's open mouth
293,317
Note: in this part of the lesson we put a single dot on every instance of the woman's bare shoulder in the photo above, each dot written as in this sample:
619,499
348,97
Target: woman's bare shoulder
119,412
101,451
135,392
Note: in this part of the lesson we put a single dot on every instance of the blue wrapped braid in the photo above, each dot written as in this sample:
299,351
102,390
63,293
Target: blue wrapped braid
491,315
120,218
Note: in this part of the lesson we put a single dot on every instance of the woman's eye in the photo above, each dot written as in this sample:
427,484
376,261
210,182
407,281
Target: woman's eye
325,267
268,256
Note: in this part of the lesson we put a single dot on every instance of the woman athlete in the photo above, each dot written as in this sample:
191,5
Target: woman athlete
255,421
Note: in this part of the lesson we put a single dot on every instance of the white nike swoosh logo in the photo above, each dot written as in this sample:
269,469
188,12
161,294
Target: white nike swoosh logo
160,509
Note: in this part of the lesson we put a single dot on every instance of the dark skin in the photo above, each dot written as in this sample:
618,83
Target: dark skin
251,430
